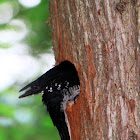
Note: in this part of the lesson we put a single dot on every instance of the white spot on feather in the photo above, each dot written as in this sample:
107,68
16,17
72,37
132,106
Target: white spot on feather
67,83
59,87
50,90
42,92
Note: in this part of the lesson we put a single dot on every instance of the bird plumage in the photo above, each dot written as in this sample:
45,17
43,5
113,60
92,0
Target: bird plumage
59,85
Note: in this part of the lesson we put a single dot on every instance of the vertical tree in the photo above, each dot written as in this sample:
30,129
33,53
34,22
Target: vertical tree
101,39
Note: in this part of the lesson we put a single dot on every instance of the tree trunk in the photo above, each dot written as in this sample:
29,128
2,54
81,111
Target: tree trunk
101,38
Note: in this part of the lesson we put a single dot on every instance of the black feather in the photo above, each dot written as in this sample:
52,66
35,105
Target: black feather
53,104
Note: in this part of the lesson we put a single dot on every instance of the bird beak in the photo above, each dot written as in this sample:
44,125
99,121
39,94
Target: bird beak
28,93
25,95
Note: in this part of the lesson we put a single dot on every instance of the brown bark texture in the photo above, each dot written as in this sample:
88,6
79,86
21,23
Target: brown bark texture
101,38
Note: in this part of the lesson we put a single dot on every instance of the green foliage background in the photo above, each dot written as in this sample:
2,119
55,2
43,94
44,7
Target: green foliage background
13,111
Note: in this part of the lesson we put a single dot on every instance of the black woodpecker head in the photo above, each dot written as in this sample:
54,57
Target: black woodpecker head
59,75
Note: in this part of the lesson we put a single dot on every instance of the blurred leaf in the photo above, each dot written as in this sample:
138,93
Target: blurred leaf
48,122
6,110
4,45
3,135
39,37
2,1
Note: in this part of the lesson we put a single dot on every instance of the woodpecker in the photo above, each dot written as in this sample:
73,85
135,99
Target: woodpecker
58,86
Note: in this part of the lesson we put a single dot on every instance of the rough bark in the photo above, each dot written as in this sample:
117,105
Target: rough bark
101,38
